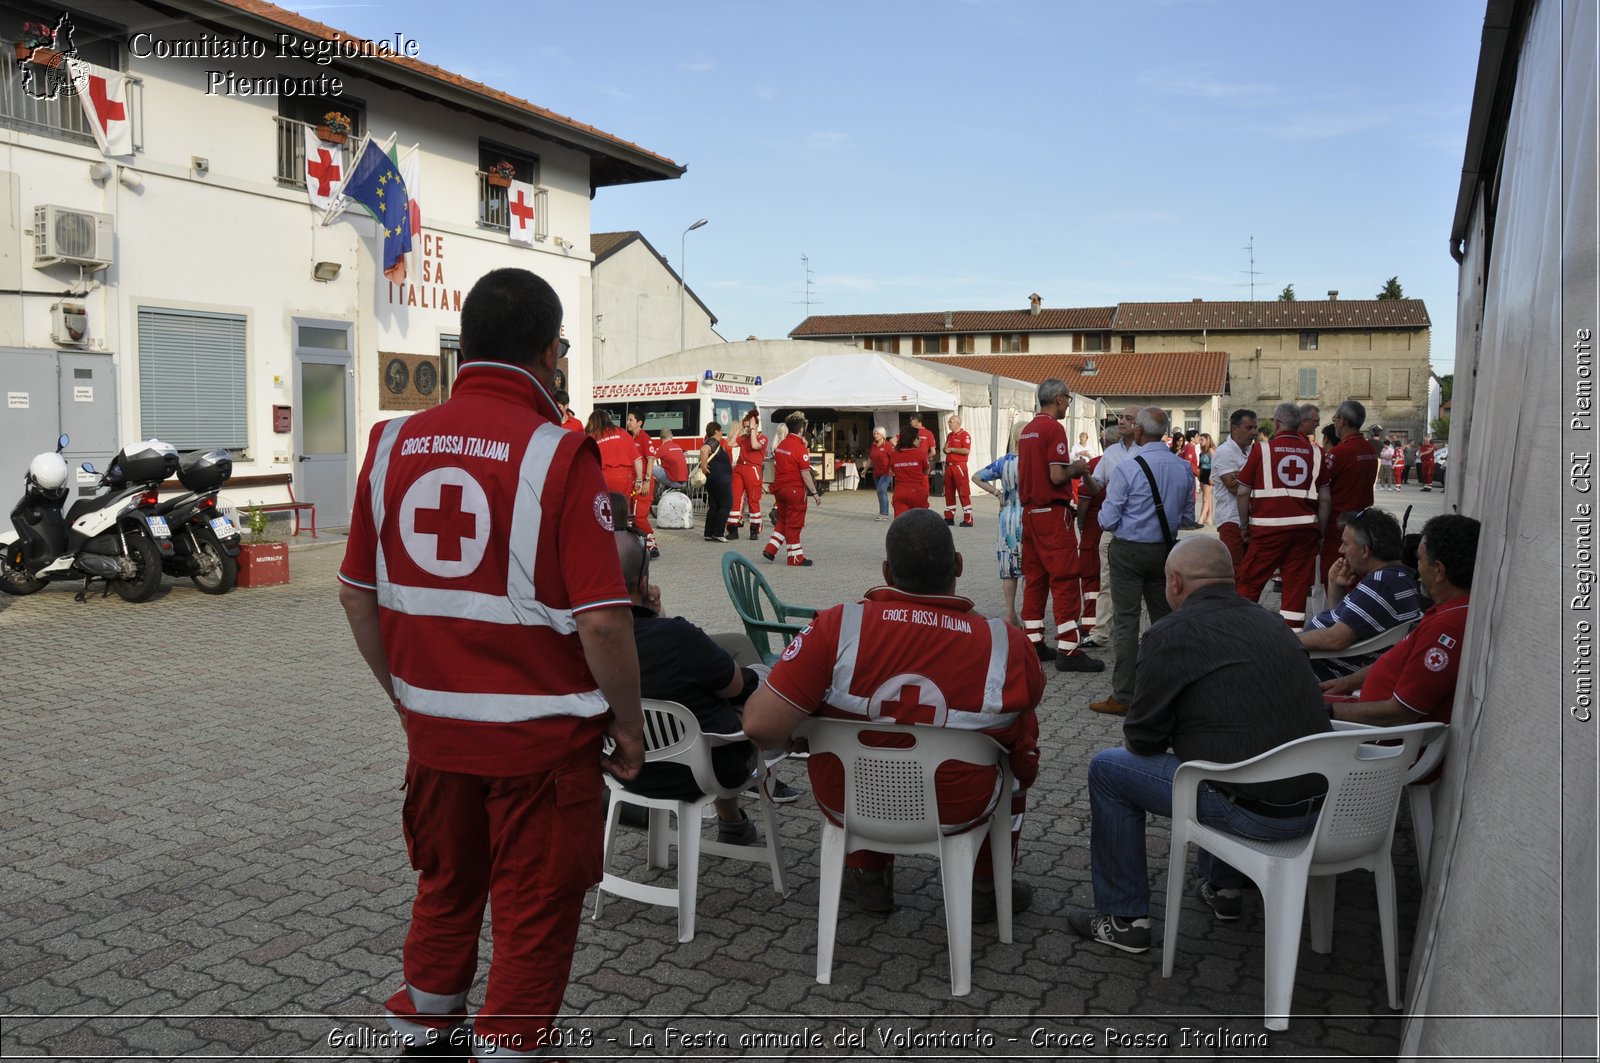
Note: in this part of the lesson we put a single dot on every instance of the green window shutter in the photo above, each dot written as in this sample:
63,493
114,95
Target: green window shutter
192,370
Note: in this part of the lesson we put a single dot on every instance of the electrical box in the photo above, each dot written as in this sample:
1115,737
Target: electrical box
282,420
69,324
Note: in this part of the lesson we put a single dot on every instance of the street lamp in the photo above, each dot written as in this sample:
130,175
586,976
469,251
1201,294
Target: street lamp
683,269
636,297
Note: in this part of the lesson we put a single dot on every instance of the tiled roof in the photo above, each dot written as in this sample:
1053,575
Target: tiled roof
1150,375
1075,319
602,244
614,160
1310,314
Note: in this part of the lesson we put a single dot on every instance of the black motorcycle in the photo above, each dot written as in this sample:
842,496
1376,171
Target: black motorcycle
204,542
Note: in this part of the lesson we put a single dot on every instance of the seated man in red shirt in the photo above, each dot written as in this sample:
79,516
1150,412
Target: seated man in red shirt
672,465
914,654
1415,680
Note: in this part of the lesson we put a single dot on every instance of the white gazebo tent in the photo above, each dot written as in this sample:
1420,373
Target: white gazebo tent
853,382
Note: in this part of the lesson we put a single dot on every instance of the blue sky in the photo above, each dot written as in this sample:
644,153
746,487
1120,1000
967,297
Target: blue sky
959,154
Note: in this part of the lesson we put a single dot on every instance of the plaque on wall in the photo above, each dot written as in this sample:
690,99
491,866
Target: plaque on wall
408,381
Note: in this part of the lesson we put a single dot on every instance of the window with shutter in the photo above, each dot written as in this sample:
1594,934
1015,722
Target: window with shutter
1399,383
966,344
1361,383
1127,344
1024,343
1308,384
1271,386
994,343
1077,342
192,370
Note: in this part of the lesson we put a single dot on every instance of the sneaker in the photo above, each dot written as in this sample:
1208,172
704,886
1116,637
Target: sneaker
881,516
1046,651
1427,489
1091,642
983,901
870,889
740,832
1078,662
716,538
1226,905
1109,707
783,793
1129,935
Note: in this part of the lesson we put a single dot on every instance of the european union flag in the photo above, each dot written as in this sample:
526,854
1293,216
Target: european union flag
375,183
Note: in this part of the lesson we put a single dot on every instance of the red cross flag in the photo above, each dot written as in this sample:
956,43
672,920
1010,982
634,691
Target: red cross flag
324,169
104,94
519,203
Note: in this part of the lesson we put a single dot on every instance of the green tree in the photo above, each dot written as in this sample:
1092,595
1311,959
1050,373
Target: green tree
1447,384
1441,429
1392,290
1287,295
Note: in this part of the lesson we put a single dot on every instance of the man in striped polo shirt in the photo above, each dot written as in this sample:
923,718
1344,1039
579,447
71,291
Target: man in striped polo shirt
1369,592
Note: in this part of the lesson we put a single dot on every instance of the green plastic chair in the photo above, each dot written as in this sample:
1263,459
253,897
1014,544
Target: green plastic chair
747,588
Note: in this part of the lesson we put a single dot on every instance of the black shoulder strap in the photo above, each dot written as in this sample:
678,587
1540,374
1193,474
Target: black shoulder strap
1155,493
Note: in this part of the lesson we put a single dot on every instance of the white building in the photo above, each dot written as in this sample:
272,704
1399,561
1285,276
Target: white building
225,314
642,309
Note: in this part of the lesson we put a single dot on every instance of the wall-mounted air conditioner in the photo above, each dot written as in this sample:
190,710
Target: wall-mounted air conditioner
72,236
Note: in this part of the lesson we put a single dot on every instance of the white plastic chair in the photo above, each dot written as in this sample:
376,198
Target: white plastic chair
1418,795
672,735
1354,830
891,806
1376,644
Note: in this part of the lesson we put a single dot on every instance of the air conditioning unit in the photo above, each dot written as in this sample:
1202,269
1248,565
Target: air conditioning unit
71,236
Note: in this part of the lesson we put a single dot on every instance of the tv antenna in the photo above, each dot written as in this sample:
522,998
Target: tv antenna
808,302
1251,248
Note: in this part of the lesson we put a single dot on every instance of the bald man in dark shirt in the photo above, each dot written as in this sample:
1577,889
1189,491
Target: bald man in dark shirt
1219,679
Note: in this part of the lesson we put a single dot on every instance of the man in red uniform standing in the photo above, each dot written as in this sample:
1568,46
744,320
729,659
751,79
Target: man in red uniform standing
925,439
957,481
911,653
752,447
482,587
1425,463
1352,470
792,483
1049,542
1283,507
644,489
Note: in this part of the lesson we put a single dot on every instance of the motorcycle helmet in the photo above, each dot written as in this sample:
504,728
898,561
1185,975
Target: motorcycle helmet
49,471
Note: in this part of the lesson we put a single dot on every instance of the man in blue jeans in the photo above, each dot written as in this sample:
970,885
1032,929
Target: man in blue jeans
1219,679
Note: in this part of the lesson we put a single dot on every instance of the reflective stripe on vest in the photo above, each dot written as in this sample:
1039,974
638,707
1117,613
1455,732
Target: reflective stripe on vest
518,605
1268,489
497,708
992,712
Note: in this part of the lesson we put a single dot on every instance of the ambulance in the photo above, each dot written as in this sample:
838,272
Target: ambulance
682,404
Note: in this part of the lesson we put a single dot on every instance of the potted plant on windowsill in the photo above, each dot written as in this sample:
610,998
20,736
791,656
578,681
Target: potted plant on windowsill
37,44
501,174
263,561
335,127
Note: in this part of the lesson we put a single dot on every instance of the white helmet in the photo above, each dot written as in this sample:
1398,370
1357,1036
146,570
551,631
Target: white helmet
49,470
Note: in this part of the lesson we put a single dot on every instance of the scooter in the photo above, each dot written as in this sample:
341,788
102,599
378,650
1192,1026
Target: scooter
204,542
100,537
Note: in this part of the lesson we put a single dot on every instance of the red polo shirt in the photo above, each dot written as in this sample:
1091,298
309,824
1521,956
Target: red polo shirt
1043,443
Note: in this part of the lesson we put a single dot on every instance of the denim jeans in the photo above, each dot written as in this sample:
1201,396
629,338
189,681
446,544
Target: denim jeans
883,484
1123,787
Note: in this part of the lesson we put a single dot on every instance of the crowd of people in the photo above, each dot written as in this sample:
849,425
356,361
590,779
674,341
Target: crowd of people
504,606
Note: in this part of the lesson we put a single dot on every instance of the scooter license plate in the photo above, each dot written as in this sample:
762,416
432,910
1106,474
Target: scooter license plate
158,527
222,526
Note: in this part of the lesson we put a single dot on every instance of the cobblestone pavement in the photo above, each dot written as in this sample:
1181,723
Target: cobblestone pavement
202,856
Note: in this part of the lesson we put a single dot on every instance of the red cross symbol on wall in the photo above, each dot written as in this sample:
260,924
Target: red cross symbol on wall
908,707
449,523
325,170
105,108
522,210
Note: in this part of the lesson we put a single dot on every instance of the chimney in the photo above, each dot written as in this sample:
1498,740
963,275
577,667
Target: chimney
949,319
1333,295
1197,300
1035,301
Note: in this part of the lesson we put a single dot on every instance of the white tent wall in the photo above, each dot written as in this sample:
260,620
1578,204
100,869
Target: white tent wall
1507,936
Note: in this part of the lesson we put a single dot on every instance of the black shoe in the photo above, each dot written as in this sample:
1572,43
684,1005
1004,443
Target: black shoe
1226,905
804,562
1129,935
739,832
783,793
1046,651
755,533
770,555
950,521
1078,662
983,900
654,553
870,889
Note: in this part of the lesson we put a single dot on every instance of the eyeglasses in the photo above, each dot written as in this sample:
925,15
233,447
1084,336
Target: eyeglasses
562,347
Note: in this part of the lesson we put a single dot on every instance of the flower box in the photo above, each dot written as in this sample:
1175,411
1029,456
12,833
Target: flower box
263,564
497,180
328,136
38,54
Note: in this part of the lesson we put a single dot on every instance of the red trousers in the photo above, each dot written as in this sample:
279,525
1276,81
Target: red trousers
1229,534
1426,475
957,483
909,496
531,843
791,519
1050,568
746,494
1332,540
641,514
1089,571
1294,550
